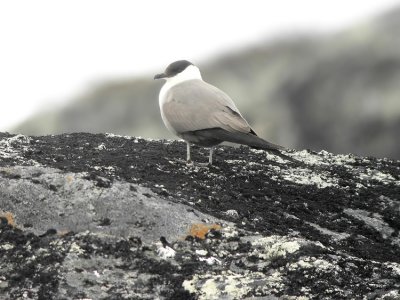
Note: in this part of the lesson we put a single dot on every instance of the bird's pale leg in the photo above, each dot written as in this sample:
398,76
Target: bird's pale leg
188,160
210,157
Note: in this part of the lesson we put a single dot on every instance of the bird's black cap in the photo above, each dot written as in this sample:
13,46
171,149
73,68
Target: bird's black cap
174,68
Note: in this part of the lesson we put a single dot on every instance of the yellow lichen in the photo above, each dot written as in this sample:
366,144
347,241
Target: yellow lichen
200,230
9,217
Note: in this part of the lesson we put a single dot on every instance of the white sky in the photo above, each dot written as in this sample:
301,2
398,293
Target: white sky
52,50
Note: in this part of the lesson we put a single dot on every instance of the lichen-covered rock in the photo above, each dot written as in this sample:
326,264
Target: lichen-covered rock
101,216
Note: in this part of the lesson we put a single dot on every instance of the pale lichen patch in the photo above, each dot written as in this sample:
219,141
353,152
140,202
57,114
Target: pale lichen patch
307,177
6,246
165,251
323,158
229,232
75,248
112,135
370,174
102,146
13,147
273,247
231,285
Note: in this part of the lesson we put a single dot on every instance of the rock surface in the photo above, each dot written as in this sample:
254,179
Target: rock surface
87,216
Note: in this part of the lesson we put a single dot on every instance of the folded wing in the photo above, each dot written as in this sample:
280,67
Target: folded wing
196,105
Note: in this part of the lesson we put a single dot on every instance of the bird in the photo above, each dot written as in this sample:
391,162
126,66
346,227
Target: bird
202,114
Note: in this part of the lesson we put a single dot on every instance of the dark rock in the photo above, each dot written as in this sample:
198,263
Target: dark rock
252,226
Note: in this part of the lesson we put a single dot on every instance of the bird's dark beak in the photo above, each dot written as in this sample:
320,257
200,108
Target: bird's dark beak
159,76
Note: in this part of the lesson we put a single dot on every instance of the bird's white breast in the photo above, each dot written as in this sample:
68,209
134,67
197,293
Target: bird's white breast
162,99
190,73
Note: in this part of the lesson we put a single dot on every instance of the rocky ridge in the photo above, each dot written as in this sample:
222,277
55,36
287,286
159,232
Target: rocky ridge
100,216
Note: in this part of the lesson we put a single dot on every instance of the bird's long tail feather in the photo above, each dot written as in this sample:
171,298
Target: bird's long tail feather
249,139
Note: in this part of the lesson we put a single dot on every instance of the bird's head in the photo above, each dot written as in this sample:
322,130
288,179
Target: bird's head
180,71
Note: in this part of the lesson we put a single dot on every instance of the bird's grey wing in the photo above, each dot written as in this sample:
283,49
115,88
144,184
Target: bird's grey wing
196,105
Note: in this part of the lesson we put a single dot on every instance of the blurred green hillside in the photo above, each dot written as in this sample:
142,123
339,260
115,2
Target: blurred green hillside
339,92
